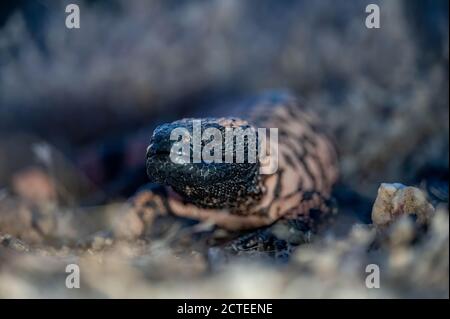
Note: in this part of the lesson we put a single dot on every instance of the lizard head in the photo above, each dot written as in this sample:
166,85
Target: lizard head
206,161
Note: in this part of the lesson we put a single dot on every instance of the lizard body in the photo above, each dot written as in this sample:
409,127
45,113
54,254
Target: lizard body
237,197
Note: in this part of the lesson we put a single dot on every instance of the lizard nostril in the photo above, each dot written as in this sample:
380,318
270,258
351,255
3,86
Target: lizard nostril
160,144
154,150
151,150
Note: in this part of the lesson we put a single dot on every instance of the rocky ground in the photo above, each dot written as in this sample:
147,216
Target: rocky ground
412,264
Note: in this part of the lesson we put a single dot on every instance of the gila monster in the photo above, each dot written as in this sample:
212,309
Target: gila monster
262,212
275,211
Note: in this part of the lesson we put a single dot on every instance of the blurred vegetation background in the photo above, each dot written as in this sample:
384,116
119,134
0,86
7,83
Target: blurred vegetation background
383,92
